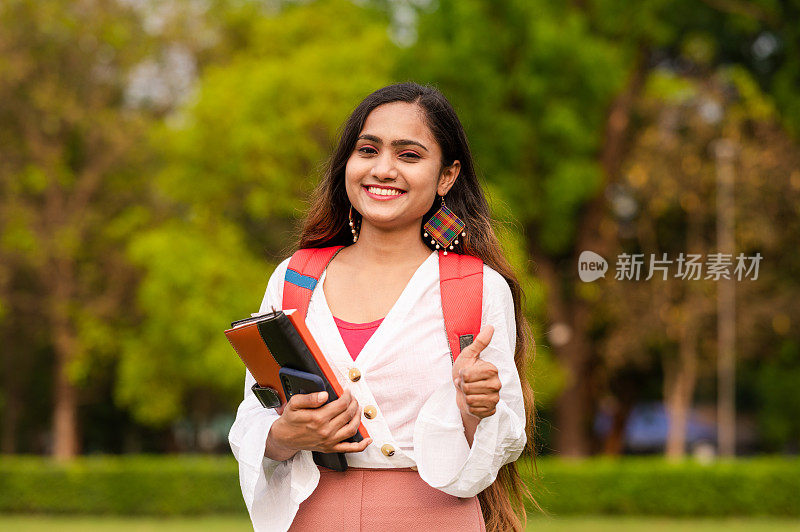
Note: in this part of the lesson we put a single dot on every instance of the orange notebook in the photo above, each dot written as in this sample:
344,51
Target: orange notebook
267,342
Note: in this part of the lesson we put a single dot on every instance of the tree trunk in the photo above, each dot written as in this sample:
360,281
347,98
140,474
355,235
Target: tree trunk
572,407
679,384
680,380
11,408
725,156
575,407
65,395
615,441
624,386
65,407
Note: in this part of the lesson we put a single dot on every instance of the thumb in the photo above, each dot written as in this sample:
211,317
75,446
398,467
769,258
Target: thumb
307,400
479,343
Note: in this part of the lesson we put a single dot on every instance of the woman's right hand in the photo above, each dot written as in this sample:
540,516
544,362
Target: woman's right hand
307,423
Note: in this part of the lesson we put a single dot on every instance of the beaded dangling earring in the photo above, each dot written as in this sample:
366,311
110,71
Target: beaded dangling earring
352,224
444,227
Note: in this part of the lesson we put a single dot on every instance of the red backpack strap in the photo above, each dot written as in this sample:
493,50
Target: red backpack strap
461,285
304,270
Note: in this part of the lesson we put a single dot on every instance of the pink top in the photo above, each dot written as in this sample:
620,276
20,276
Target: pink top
355,335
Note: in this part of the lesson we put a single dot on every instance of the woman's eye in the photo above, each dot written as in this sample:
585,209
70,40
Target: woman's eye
369,150
409,154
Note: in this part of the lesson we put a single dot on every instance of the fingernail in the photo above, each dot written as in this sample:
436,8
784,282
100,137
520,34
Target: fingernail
321,396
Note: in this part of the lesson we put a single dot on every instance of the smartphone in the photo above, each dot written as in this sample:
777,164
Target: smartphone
295,381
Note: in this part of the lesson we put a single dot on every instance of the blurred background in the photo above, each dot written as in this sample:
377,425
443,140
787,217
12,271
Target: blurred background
157,156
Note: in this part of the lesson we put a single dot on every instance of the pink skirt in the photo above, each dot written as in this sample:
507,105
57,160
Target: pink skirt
385,500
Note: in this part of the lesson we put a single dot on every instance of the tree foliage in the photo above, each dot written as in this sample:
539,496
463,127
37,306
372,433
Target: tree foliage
156,156
239,159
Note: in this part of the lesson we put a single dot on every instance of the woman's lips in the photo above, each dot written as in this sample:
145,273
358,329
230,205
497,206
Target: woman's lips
382,197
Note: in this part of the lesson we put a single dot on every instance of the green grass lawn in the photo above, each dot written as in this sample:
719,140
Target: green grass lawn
214,523
237,523
661,524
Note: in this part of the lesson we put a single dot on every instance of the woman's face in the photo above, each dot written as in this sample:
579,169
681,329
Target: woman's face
392,176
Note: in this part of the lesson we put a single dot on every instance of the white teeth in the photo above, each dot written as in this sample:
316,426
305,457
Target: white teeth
384,191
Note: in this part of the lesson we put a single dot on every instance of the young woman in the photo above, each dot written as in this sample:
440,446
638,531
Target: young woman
444,435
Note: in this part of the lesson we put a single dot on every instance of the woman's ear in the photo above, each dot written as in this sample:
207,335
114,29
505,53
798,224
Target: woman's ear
448,177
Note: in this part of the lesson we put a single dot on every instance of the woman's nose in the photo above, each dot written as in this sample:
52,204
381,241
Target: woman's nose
384,167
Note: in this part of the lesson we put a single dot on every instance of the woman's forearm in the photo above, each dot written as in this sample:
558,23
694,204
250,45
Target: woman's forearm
274,449
470,425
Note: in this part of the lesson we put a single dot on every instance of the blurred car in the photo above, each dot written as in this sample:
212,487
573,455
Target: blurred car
647,427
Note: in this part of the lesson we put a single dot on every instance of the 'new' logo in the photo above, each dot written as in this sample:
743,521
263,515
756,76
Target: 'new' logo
591,266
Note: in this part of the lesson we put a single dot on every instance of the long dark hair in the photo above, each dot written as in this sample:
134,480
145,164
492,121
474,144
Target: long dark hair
327,225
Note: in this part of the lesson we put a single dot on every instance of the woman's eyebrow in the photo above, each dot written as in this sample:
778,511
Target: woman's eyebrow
398,142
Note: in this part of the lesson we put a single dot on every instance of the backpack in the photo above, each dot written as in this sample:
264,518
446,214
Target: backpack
460,282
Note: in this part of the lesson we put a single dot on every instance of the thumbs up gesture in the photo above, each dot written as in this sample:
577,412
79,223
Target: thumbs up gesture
476,381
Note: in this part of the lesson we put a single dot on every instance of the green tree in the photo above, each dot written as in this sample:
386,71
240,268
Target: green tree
68,192
548,89
666,203
237,163
533,81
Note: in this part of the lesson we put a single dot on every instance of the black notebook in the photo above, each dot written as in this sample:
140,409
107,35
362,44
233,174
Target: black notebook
290,345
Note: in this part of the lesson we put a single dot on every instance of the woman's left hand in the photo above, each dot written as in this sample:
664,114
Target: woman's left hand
477,382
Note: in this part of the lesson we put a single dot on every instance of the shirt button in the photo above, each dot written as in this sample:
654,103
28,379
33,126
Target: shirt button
370,412
387,449
355,374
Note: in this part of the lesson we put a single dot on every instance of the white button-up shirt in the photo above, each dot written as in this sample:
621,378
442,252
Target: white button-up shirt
406,374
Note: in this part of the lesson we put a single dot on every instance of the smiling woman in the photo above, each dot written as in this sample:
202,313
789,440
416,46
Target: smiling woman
448,416
397,158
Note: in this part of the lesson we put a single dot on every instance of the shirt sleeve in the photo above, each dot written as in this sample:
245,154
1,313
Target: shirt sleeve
444,458
272,490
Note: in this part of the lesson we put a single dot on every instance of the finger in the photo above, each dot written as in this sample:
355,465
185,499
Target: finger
481,401
334,408
479,343
307,400
486,386
479,371
349,447
345,417
348,429
482,412
320,416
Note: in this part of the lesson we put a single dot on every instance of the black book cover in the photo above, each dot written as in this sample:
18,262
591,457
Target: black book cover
290,351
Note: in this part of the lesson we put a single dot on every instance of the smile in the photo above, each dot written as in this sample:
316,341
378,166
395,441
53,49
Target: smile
381,193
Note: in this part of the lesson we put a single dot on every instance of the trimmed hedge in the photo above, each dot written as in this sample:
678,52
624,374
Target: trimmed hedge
191,485
652,486
122,485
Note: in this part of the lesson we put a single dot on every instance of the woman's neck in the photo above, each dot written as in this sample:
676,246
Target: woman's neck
377,246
